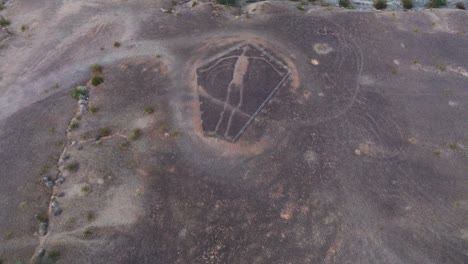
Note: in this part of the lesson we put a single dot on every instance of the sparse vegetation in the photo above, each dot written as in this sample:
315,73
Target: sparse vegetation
135,134
72,166
460,5
8,235
436,3
176,133
116,44
194,3
149,109
90,216
456,204
174,2
226,2
415,61
437,153
344,3
23,28
453,146
104,132
394,71
53,254
300,7
96,69
442,67
85,188
44,170
2,6
87,233
42,217
97,80
124,145
407,4
74,125
56,86
380,4
4,22
93,109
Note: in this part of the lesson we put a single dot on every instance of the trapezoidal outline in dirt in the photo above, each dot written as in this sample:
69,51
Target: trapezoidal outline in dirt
234,86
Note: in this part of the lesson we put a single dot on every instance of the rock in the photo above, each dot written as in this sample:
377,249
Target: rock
49,184
42,252
98,137
66,157
46,179
59,181
57,211
82,102
43,228
54,204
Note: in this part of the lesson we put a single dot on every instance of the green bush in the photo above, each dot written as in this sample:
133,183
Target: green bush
104,132
116,44
135,134
73,166
4,22
2,7
436,3
149,109
380,4
96,68
226,2
53,254
97,80
93,109
344,3
407,4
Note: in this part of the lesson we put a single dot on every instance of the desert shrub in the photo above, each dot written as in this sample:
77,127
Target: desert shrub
226,2
4,22
93,109
407,4
87,233
380,4
97,80
85,188
104,132
460,5
436,3
73,166
344,3
116,44
96,68
53,254
135,134
74,125
2,7
23,27
148,109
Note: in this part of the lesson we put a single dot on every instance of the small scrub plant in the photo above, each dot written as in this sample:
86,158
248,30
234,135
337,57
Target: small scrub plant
442,67
85,188
124,145
194,3
148,109
116,44
42,217
407,4
436,3
8,235
300,7
96,69
344,3
104,132
87,233
97,80
460,5
53,254
56,86
456,204
174,2
437,153
380,4
44,170
2,6
176,133
135,134
90,216
74,125
453,146
93,109
394,71
226,2
4,22
72,166
23,28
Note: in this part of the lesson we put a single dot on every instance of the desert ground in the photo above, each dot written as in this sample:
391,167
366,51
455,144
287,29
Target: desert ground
204,133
